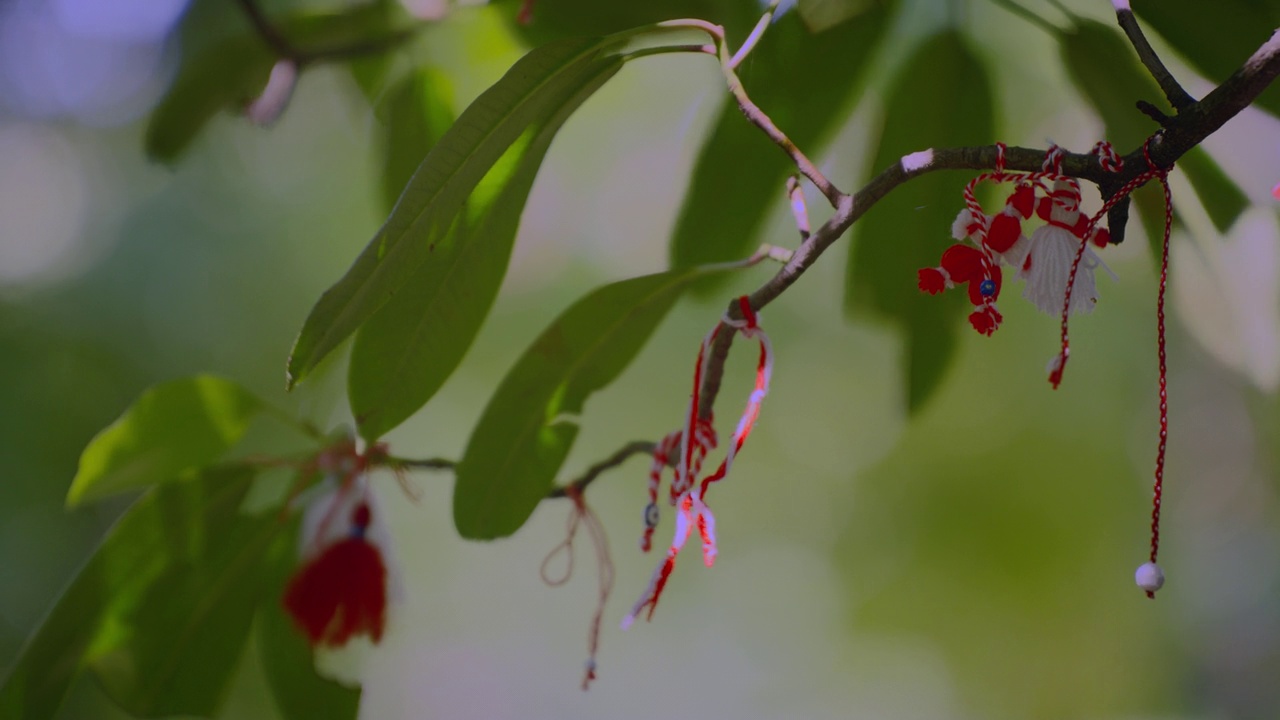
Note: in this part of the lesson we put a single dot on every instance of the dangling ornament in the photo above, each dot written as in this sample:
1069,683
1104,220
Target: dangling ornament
341,592
1052,249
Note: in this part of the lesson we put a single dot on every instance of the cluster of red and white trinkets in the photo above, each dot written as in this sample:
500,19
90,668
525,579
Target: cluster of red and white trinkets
341,589
693,442
1046,260
1058,266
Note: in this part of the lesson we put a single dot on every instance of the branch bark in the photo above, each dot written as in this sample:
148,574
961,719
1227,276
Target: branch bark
1178,97
1193,124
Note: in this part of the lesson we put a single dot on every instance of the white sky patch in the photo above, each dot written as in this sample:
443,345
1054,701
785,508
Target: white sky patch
917,160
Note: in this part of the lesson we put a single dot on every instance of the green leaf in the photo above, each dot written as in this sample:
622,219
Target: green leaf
1223,200
785,77
227,73
941,98
405,352
162,609
415,113
173,428
820,15
559,19
524,434
532,92
1216,38
287,658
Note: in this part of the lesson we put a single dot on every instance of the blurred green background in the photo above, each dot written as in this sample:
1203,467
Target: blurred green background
974,561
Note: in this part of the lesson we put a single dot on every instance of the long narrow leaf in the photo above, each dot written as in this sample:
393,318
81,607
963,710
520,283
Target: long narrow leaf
942,97
418,226
525,433
161,610
405,352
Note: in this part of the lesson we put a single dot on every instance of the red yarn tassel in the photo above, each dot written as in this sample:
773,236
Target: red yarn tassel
342,592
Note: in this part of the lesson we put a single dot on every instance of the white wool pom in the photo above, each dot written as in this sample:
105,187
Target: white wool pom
1149,577
960,228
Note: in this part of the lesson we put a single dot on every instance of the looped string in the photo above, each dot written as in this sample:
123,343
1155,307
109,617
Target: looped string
692,510
1053,160
1000,148
1153,172
582,514
1107,156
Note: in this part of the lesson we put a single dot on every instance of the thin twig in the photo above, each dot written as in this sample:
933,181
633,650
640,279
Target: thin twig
286,50
632,448
425,464
757,116
1178,97
1029,16
269,33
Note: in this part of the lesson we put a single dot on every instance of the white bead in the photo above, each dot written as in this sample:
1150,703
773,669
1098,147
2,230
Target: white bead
1149,577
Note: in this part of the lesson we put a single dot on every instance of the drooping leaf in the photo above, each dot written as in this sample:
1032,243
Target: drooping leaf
785,78
230,71
941,98
1217,37
820,15
160,612
534,90
173,428
287,659
415,113
405,352
1222,198
524,434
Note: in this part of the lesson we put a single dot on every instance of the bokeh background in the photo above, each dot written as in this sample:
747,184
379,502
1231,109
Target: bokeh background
973,561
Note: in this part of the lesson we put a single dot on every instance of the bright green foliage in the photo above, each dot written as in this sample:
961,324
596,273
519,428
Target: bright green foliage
941,98
172,429
406,351
229,73
287,660
1216,37
415,114
739,176
820,15
526,433
526,100
161,611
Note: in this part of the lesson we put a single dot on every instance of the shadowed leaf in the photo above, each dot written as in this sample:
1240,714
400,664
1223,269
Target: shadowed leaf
161,611
941,98
532,92
405,352
739,177
173,428
525,433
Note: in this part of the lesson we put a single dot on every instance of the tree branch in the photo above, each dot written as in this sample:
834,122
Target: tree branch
622,455
1178,97
1192,125
286,50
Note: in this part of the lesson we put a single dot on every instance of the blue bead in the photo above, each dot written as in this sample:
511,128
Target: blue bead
987,288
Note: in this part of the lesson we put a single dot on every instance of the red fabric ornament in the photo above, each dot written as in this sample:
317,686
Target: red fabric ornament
342,591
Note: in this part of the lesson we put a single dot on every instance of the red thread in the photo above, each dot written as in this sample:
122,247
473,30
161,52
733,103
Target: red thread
691,507
582,514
